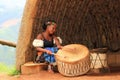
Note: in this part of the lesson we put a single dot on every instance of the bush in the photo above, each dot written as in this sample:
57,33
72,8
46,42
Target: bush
10,70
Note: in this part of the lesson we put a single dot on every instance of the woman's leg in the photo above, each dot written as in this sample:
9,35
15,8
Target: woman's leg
40,57
50,58
50,68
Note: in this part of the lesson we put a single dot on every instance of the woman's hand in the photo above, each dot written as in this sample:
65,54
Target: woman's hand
48,52
59,47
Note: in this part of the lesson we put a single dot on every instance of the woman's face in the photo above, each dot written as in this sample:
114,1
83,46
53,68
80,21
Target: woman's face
51,28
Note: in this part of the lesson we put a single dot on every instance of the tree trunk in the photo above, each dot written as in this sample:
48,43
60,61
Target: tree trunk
23,49
94,23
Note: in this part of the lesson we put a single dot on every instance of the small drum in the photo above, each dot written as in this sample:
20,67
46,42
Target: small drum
73,60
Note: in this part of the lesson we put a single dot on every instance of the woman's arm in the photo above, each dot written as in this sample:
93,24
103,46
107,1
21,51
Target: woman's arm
43,50
57,42
39,48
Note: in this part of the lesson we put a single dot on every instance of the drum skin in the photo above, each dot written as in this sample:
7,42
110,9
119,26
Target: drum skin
73,60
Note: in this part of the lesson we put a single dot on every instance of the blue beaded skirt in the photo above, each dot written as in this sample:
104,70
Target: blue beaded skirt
50,58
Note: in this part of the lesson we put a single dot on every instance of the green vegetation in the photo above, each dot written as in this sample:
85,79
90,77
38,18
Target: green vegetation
10,70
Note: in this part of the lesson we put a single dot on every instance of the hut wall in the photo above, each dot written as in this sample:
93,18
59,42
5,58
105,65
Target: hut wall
113,59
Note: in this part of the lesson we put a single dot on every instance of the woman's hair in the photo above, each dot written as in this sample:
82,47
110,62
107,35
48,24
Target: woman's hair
48,22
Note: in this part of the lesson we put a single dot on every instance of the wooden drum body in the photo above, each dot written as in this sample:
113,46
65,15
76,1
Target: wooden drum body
73,60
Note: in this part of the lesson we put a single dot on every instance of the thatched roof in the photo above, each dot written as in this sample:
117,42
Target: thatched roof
94,23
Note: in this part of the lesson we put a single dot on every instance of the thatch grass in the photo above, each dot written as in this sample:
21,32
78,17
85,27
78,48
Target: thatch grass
10,70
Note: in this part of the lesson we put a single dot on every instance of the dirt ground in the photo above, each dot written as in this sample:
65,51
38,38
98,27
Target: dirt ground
44,75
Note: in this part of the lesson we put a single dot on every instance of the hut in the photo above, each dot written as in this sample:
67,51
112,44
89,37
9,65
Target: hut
94,23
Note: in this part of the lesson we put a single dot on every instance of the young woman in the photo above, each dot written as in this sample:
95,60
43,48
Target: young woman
47,43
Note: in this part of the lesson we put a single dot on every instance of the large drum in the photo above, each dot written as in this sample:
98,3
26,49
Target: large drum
73,60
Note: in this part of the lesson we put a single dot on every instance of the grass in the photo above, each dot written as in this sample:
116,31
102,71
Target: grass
10,70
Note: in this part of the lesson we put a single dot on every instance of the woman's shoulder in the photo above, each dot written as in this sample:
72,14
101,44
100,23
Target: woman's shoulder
54,36
40,36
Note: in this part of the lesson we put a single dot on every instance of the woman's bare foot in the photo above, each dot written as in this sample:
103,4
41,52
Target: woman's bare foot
50,69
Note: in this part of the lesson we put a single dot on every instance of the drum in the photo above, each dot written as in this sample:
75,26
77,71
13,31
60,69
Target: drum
98,60
73,60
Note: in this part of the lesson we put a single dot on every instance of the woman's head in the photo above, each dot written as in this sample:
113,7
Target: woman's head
49,26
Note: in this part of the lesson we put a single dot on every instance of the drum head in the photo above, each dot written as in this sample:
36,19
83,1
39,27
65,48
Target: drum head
72,53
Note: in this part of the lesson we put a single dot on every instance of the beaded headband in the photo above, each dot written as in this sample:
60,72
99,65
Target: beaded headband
50,23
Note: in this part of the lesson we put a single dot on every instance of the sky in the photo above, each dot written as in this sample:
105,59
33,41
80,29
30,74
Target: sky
11,12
